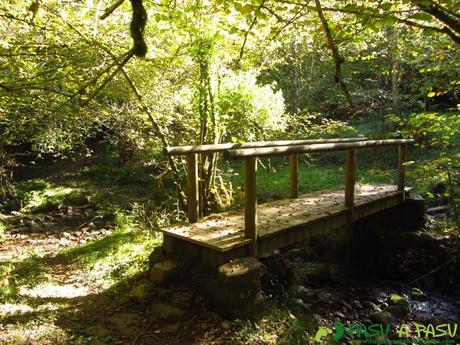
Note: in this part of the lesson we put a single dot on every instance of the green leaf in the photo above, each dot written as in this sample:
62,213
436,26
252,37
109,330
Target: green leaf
421,16
248,8
261,15
389,21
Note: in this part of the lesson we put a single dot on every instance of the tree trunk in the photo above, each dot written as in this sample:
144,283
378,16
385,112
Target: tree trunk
295,77
394,56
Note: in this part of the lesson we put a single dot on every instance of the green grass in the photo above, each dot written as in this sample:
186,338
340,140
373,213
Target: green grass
373,126
51,198
106,261
273,185
109,259
114,257
280,325
37,195
276,183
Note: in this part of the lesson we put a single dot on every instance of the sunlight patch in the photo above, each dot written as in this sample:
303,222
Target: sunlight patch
9,309
33,333
14,309
54,291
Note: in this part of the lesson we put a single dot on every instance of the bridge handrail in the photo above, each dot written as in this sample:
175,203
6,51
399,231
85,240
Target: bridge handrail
296,149
214,148
250,156
250,151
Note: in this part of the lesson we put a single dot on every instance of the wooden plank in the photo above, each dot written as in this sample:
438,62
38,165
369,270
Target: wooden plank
193,198
214,148
222,243
250,210
287,150
308,214
294,175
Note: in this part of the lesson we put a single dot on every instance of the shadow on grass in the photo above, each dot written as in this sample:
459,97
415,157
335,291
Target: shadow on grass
34,270
75,314
278,323
75,311
80,316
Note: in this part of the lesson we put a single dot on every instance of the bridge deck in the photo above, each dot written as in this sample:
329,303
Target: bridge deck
277,220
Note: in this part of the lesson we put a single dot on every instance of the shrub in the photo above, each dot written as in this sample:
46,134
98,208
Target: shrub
249,111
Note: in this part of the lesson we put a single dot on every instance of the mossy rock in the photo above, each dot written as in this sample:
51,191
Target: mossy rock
398,305
418,294
396,299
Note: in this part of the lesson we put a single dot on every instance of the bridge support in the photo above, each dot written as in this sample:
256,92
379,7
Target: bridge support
402,157
294,174
193,197
350,171
250,210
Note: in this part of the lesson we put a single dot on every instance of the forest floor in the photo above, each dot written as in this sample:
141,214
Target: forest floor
75,257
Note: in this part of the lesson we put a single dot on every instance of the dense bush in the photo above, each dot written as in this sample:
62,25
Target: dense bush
248,111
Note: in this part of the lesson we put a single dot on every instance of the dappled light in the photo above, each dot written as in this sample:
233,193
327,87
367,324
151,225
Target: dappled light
49,290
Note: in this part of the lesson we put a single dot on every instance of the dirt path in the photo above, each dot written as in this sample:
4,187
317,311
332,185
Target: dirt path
58,300
46,280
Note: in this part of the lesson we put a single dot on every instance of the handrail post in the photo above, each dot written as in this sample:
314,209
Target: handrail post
250,210
201,159
350,170
402,157
294,174
192,188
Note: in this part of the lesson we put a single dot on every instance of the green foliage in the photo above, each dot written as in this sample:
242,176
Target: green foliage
431,128
440,132
26,270
7,188
8,286
313,125
117,256
432,175
215,71
248,111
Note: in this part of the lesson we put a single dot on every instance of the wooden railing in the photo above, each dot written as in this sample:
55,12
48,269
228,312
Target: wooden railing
250,156
253,150
192,158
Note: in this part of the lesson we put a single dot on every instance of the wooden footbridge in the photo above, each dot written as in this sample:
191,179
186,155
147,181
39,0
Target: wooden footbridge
257,230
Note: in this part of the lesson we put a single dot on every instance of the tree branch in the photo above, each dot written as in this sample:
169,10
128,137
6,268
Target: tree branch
445,30
120,64
110,9
246,34
156,126
159,131
439,13
338,60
